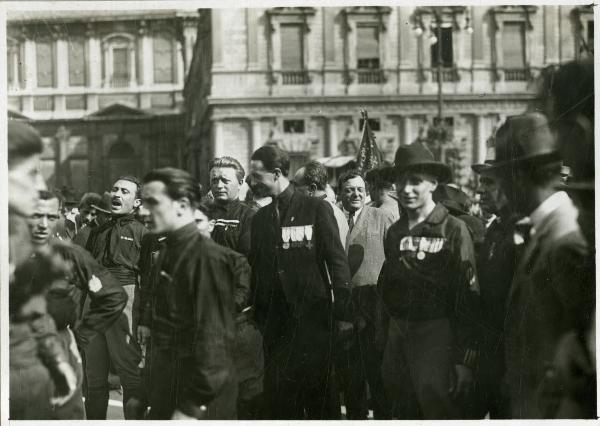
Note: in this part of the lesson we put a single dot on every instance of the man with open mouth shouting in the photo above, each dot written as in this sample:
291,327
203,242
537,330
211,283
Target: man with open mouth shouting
116,245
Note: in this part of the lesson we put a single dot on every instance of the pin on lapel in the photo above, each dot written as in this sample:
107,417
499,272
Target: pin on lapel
292,219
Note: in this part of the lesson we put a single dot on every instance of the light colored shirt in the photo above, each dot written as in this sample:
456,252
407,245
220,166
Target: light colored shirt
546,208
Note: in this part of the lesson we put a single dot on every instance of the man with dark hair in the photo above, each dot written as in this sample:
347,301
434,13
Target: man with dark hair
233,218
546,300
429,286
256,196
382,190
193,324
311,180
300,280
361,363
101,208
37,359
116,246
65,299
232,230
87,211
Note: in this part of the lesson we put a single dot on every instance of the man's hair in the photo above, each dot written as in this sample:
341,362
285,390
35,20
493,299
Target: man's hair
51,195
347,175
23,142
315,173
273,158
228,162
542,174
179,184
130,178
573,89
88,199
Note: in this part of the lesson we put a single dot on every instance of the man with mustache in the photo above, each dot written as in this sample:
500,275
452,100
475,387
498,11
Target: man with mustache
86,279
116,245
430,290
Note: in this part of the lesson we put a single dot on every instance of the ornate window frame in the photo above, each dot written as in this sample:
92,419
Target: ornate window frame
172,36
111,42
500,15
424,17
364,15
288,15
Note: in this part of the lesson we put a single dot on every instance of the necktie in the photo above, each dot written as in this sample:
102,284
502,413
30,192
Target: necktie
350,221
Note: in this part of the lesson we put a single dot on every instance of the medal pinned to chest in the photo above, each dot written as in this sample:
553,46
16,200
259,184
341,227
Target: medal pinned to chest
297,236
421,247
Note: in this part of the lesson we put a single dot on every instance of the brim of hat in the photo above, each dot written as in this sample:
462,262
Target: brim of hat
440,170
100,208
576,186
481,167
500,166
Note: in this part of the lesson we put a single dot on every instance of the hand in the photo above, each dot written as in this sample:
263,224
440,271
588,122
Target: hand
461,382
142,334
573,363
178,415
69,385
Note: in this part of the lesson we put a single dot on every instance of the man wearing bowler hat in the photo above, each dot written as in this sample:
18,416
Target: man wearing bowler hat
429,286
546,297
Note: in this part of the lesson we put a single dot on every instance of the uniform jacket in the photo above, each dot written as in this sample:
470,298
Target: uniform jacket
301,271
151,246
193,314
429,273
549,296
232,227
116,245
364,245
88,280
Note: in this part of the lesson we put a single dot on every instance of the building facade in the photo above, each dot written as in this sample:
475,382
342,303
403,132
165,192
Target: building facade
104,88
297,77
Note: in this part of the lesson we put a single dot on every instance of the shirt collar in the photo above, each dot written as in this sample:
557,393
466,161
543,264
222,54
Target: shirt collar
228,205
437,215
547,206
124,219
285,197
181,234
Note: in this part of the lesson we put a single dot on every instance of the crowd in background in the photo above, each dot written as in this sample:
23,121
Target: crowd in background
392,293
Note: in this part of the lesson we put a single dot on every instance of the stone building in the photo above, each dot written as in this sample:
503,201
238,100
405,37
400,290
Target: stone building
104,88
298,77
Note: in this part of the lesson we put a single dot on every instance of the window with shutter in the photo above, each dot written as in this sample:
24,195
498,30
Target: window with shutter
163,58
291,47
446,47
120,64
367,47
45,64
513,44
76,62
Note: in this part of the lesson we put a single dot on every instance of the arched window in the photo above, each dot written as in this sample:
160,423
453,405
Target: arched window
119,60
163,50
121,150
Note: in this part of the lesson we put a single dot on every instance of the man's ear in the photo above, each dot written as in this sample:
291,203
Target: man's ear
312,188
137,203
211,225
434,184
277,172
184,203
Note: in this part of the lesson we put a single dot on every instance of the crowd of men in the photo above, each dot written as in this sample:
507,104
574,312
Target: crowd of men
390,296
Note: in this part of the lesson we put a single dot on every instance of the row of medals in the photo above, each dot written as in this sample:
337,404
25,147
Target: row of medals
297,236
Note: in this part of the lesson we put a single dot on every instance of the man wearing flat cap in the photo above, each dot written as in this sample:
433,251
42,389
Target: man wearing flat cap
546,298
429,287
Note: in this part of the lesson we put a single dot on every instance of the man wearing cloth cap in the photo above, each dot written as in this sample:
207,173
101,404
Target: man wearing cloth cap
430,290
495,266
546,298
98,213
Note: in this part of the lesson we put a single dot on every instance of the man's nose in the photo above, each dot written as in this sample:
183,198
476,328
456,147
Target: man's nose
44,222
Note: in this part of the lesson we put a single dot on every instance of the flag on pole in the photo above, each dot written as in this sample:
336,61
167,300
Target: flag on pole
369,156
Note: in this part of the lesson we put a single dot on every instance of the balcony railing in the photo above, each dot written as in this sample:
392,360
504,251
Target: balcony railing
370,76
516,74
119,82
448,75
294,77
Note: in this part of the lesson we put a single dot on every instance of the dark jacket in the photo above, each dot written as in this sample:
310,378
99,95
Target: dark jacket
430,272
90,280
193,315
302,273
151,246
232,227
116,245
549,296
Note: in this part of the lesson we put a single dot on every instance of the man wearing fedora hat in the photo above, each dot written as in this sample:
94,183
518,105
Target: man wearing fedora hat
495,266
545,294
430,291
